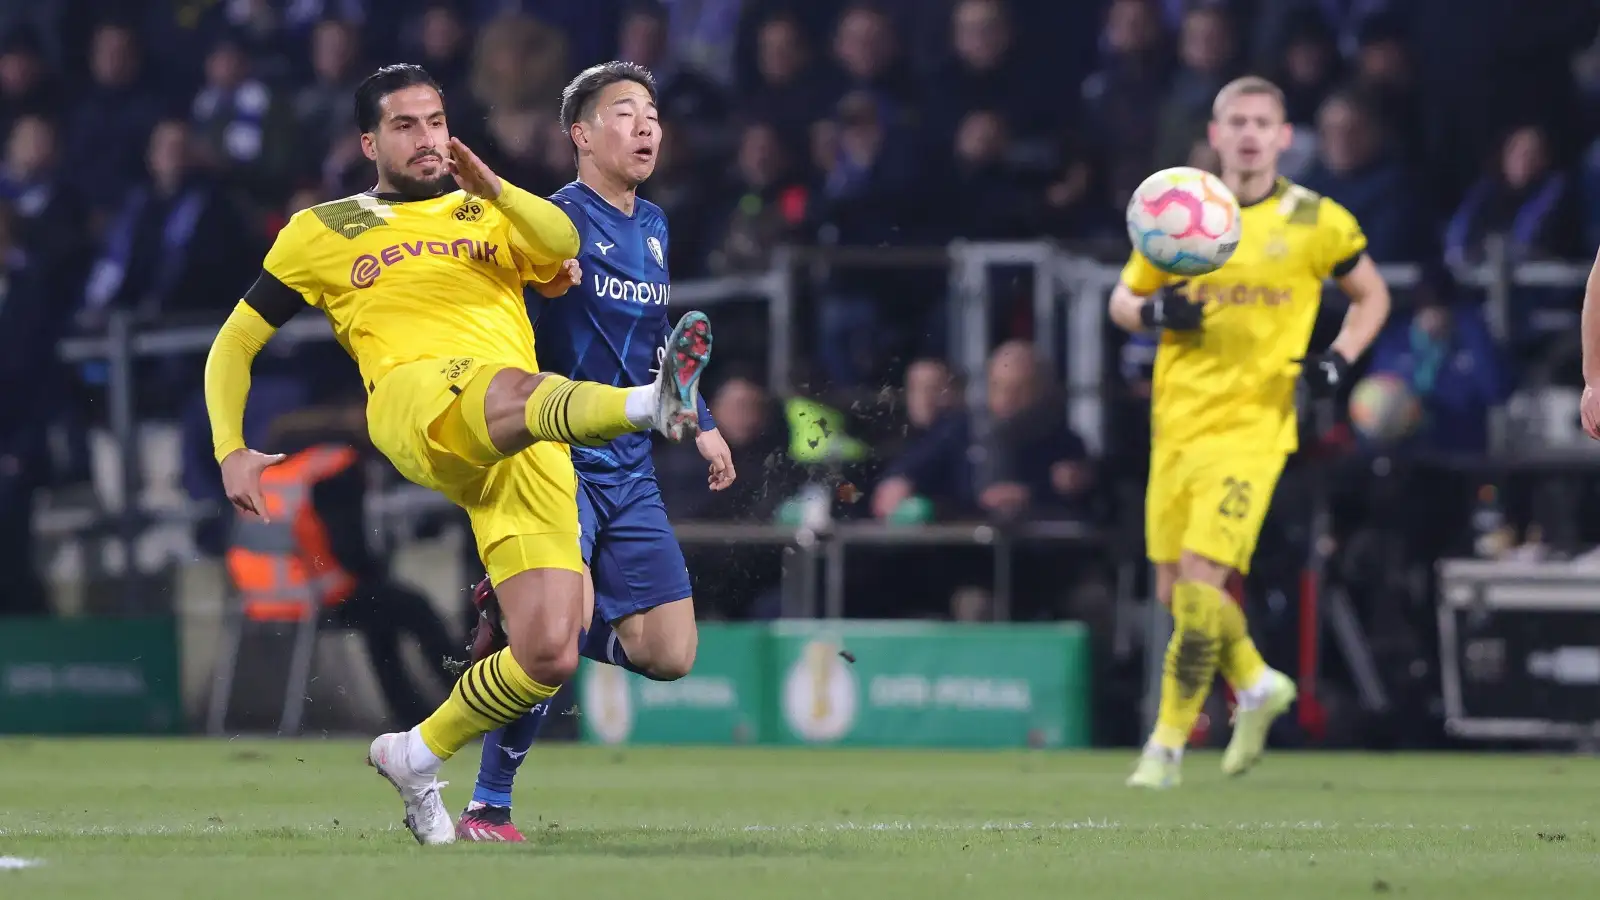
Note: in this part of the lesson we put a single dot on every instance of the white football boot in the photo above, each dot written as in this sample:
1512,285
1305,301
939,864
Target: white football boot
426,815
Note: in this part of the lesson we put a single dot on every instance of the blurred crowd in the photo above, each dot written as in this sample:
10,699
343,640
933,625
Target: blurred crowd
153,147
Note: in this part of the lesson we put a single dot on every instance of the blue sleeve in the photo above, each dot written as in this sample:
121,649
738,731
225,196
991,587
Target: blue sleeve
706,422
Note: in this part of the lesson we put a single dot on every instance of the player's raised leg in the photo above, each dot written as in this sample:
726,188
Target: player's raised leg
523,407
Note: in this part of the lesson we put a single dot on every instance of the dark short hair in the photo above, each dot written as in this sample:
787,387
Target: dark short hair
577,101
381,84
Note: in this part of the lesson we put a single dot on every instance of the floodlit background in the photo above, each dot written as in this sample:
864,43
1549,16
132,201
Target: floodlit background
904,218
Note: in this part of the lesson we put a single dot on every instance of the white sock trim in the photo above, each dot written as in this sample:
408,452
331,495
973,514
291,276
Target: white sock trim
640,405
1253,696
418,756
1166,754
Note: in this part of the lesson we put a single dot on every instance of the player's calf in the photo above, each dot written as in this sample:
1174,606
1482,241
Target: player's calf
540,609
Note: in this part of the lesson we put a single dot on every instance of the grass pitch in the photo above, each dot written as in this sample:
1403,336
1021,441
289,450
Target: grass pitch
296,819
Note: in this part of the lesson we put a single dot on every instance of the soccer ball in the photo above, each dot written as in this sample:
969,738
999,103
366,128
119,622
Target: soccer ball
1384,410
1184,220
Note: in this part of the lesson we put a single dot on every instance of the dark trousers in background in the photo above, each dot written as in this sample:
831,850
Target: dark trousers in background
733,582
1047,582
385,613
21,591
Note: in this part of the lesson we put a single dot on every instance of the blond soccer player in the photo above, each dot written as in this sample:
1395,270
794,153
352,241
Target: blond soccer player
1233,344
422,278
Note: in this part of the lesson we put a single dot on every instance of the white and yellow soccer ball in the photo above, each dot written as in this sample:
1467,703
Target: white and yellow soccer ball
1184,220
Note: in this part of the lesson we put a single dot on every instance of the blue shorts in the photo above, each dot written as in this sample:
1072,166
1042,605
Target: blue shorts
633,556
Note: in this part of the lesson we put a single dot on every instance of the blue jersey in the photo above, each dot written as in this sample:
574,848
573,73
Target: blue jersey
608,328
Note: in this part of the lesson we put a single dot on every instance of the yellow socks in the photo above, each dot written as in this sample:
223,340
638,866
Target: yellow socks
492,693
582,413
1191,660
1240,663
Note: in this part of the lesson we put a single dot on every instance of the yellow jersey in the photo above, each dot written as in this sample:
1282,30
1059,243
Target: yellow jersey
1232,383
405,280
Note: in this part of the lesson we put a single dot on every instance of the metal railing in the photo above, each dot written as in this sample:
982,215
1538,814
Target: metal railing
1068,301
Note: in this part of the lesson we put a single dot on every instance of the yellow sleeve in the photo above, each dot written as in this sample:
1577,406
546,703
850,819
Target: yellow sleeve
228,375
1142,277
540,231
541,274
1340,241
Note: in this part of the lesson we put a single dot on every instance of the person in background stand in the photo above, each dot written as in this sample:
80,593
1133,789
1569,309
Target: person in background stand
316,540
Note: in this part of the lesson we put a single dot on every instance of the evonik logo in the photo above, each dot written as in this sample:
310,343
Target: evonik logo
367,267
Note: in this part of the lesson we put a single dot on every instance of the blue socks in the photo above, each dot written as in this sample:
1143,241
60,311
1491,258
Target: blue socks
503,750
505,747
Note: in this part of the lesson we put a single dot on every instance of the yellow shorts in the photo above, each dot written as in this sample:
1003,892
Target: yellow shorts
427,418
1208,503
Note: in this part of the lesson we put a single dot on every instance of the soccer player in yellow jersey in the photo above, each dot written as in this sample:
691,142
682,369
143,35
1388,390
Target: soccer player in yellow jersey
1223,413
422,278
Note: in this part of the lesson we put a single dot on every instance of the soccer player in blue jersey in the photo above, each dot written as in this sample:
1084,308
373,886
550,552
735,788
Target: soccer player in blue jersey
606,327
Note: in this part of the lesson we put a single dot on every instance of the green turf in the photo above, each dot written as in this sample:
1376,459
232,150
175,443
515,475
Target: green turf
306,819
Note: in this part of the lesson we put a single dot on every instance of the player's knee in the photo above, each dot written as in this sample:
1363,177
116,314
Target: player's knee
505,406
661,642
511,389
545,658
540,611
1166,577
562,664
1194,567
673,657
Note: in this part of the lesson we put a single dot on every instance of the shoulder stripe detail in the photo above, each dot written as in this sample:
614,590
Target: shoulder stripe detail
352,216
